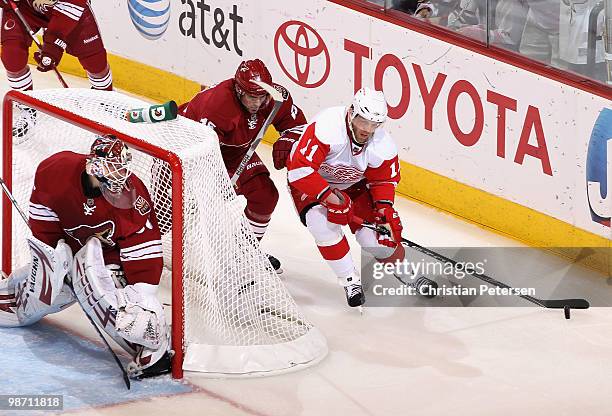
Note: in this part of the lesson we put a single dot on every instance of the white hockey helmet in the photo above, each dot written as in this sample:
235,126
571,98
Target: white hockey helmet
370,104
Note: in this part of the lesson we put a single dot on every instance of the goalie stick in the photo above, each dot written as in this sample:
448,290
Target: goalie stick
25,24
278,101
126,379
565,304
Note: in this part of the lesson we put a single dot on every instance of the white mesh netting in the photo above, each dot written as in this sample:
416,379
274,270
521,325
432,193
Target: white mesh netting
238,317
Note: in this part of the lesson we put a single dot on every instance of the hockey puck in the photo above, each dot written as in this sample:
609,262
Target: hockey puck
566,310
426,287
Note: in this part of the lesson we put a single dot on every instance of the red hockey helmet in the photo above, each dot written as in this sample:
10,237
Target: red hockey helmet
252,70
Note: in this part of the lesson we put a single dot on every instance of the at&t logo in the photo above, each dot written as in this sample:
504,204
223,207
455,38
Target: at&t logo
599,169
302,54
150,17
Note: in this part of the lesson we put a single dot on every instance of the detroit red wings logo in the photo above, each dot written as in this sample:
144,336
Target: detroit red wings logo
340,173
103,231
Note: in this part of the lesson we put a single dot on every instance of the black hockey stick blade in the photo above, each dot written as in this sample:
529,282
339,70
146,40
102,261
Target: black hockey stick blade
562,303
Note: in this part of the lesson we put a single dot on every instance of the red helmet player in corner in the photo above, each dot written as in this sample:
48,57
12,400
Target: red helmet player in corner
69,26
345,167
236,109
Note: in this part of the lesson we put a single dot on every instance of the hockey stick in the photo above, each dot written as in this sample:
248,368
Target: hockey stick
126,379
25,24
565,304
9,195
278,101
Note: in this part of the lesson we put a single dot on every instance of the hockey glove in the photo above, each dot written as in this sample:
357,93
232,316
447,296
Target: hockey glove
5,5
51,53
339,206
387,217
282,148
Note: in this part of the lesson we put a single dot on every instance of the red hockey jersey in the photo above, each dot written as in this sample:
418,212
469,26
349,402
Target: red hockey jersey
59,17
60,209
220,108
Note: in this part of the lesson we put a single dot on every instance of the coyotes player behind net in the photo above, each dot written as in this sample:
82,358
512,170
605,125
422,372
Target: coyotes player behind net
236,109
346,166
92,205
69,26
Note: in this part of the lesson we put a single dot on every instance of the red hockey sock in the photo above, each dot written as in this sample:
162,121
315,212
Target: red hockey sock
258,223
15,60
98,71
335,251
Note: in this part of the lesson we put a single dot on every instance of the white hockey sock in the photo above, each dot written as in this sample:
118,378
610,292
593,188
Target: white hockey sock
22,82
101,81
259,228
343,267
331,242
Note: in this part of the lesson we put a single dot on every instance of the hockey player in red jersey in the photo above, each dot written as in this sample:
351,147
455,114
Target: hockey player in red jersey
345,166
69,26
236,109
92,206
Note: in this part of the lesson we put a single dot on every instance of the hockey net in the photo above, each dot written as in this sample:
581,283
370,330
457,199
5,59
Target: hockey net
231,314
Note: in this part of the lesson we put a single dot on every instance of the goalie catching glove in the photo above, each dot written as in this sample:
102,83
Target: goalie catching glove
140,316
51,52
387,217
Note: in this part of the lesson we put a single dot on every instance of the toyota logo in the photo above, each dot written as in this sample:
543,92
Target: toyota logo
299,54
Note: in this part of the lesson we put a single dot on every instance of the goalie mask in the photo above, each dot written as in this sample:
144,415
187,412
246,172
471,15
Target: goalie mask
367,112
109,162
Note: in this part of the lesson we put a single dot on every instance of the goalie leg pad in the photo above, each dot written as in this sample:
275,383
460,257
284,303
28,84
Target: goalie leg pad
38,288
8,301
96,292
132,316
141,320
